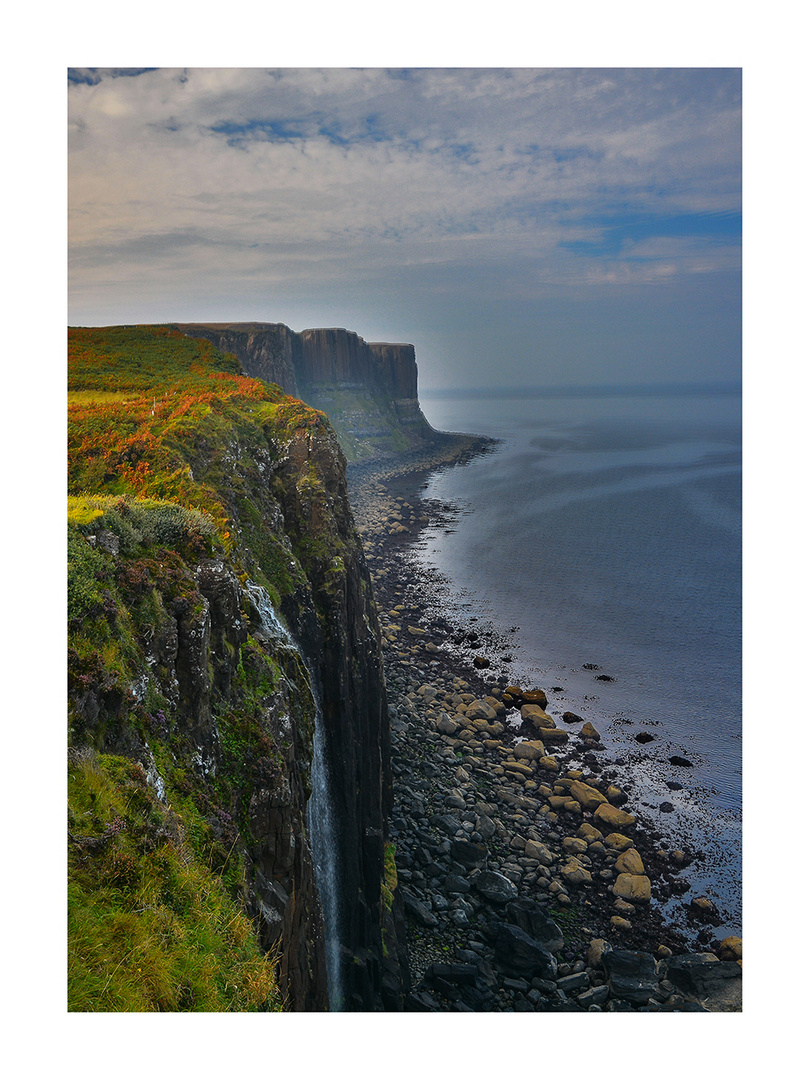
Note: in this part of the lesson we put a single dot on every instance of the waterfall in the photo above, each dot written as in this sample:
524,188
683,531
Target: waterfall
320,814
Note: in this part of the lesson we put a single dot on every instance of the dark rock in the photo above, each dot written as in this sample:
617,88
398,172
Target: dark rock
572,718
706,979
570,983
417,910
533,919
494,887
596,996
455,884
518,954
666,807
676,759
445,823
632,976
421,1001
468,854
644,737
481,662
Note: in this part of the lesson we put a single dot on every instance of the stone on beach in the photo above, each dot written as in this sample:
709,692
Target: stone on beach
635,887
531,750
612,818
586,795
537,716
629,862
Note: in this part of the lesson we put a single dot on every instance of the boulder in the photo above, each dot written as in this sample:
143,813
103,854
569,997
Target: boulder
535,850
632,976
446,725
717,984
596,950
730,948
574,873
468,854
588,833
535,697
588,731
534,920
612,818
549,763
629,862
575,845
479,710
530,750
572,718
485,826
518,954
553,735
494,887
537,716
588,797
618,841
634,887
417,910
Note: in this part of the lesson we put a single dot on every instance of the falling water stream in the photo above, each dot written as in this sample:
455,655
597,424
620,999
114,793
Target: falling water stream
320,814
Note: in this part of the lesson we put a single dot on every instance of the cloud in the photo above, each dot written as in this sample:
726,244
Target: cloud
445,181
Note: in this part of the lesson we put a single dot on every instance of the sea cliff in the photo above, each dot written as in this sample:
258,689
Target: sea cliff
220,613
368,389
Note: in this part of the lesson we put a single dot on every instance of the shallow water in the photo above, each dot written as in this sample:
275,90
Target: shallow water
606,530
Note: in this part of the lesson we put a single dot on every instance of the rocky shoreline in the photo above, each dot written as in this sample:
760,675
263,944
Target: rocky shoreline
528,879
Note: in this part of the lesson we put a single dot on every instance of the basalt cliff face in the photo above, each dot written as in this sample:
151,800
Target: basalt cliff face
225,685
368,389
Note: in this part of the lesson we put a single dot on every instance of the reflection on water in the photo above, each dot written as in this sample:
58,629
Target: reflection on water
608,530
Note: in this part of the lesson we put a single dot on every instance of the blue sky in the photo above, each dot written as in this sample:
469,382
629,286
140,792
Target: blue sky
543,226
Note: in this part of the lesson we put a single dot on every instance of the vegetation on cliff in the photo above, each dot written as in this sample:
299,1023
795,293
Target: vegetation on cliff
183,716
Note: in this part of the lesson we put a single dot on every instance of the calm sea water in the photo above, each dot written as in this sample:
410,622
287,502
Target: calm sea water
606,528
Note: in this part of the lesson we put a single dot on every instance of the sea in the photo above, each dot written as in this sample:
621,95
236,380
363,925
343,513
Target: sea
602,538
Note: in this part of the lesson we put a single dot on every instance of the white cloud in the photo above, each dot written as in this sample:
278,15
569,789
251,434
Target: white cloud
231,181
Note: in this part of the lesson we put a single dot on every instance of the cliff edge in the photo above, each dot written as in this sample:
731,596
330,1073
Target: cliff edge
229,770
368,389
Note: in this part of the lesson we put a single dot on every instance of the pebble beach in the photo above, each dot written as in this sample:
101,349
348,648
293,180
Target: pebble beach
527,874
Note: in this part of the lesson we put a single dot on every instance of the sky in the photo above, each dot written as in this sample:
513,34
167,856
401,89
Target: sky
521,225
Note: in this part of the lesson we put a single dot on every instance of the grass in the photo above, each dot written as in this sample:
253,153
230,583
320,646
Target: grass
150,925
173,458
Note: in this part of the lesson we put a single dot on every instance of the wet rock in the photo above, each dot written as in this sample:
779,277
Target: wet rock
730,948
535,697
634,887
629,862
610,817
495,887
588,797
572,718
469,854
632,976
683,762
417,910
703,978
533,919
644,737
516,953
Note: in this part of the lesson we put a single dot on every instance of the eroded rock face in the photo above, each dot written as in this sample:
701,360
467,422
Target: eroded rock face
243,708
314,364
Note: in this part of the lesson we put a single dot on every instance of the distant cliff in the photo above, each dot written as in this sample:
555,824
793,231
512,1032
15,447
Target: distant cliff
367,389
